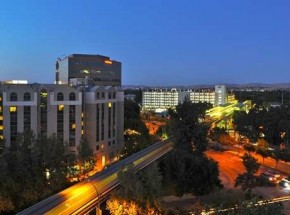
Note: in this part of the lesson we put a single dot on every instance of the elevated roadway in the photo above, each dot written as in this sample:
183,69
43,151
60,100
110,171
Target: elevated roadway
219,113
84,196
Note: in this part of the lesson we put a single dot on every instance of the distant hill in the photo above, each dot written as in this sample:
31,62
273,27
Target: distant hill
275,86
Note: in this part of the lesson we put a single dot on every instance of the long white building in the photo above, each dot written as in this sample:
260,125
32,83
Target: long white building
162,99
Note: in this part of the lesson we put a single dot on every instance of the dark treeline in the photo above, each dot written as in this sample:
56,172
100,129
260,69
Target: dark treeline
265,97
35,168
271,124
136,133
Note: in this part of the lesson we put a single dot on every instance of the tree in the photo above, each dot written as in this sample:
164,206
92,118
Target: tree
136,134
2,146
198,175
138,192
37,164
247,180
249,147
130,185
262,148
124,207
250,163
216,133
189,134
85,156
191,171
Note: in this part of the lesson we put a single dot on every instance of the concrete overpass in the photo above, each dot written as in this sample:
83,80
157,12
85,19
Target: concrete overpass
84,196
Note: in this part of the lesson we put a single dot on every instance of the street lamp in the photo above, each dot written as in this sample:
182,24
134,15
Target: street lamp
98,209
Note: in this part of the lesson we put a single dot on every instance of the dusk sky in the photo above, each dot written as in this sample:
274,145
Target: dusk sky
159,42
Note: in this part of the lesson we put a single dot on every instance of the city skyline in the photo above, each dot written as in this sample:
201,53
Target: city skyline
184,43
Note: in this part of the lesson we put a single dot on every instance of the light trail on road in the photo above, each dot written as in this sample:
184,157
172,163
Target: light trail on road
261,202
83,196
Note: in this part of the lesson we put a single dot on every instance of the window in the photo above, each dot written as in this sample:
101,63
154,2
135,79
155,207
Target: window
60,123
60,97
43,111
27,118
27,96
13,126
102,121
72,125
98,95
103,95
72,96
98,123
13,109
97,147
13,96
60,107
110,95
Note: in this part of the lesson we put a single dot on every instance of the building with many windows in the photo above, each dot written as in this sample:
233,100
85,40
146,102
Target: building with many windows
159,100
68,112
204,95
104,121
87,69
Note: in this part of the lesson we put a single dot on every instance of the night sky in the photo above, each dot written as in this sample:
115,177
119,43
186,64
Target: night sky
159,42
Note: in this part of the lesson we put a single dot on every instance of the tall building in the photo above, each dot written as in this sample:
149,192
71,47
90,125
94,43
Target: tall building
221,96
104,122
68,112
86,69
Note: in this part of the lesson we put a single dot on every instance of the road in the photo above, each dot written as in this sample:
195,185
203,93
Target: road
230,165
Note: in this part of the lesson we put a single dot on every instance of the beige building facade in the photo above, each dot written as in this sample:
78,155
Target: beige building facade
96,113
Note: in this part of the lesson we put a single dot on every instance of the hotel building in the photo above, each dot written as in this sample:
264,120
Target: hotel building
159,100
68,112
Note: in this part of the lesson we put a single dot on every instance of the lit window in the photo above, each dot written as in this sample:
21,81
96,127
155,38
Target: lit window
108,62
1,118
0,98
82,131
1,127
1,137
82,114
13,109
73,126
103,160
60,107
109,104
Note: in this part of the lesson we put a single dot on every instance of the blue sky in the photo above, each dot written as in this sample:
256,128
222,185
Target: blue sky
159,42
